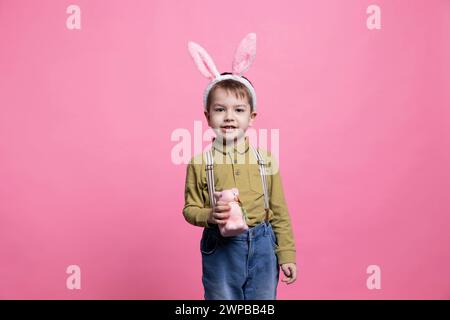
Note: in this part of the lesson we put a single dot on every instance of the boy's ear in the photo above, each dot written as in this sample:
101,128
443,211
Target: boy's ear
206,113
252,118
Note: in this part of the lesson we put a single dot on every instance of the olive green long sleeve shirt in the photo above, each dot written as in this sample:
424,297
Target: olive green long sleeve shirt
238,168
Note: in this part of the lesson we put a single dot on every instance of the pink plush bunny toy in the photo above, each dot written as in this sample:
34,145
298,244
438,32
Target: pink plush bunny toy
236,223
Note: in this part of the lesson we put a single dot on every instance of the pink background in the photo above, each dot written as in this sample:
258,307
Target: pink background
86,117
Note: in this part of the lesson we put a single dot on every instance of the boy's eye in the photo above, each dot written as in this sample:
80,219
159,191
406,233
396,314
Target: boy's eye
223,109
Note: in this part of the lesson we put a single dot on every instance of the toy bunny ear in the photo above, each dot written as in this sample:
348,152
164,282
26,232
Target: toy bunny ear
245,54
203,61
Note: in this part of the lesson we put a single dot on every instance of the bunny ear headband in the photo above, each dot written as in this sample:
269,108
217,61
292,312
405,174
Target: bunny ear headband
243,58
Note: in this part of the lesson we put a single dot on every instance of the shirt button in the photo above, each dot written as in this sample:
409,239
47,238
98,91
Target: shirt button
238,172
235,161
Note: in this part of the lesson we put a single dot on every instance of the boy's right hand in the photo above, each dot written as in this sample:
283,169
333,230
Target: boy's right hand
220,213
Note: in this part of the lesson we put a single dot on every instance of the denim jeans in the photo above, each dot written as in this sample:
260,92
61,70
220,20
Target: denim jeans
243,267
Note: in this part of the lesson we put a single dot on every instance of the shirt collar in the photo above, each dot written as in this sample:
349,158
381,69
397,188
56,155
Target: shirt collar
241,147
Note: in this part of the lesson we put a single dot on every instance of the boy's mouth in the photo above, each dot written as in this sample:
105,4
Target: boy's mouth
228,128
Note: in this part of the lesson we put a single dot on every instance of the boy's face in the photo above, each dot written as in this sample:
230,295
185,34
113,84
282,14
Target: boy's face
229,116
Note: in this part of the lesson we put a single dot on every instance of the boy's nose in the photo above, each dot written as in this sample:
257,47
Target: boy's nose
229,115
230,122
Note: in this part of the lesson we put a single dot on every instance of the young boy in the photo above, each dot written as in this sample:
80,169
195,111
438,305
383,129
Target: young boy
246,266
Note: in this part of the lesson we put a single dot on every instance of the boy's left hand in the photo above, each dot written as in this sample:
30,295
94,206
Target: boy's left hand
290,272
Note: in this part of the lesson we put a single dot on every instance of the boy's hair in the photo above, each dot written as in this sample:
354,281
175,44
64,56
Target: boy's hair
231,86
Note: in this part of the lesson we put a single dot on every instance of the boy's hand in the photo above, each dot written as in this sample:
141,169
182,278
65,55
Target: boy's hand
290,271
220,213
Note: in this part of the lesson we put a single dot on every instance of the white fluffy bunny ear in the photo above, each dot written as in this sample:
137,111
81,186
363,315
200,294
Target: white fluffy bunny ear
245,54
203,60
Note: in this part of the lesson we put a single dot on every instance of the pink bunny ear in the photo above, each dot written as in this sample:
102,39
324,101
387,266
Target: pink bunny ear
203,61
245,54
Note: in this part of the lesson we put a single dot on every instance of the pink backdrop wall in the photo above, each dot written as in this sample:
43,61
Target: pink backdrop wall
86,118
